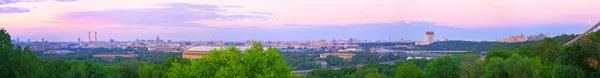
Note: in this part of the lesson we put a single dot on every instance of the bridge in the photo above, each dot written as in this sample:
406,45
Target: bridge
422,53
408,54
336,68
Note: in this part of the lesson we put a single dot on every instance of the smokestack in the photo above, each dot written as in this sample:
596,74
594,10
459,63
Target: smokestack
95,37
89,37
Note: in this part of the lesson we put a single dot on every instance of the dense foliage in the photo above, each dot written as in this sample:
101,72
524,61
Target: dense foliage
544,59
484,46
19,62
232,63
548,58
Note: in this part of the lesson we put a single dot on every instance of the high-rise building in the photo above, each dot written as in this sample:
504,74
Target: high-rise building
111,40
532,38
537,37
28,40
78,39
18,40
429,37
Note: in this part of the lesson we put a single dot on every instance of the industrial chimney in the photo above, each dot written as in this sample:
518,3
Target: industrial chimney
89,37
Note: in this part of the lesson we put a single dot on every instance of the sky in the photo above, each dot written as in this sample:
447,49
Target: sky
240,20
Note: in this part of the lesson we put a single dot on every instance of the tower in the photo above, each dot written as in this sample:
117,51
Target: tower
89,37
157,39
95,37
390,38
78,39
429,36
18,40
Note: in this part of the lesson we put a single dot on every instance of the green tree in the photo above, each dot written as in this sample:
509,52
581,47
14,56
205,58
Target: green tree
231,62
150,71
479,69
408,70
365,58
582,55
502,53
467,64
178,60
83,69
17,62
518,67
546,49
443,67
495,68
566,71
421,63
375,75
335,61
129,69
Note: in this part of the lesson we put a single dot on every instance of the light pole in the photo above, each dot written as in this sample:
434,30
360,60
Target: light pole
583,34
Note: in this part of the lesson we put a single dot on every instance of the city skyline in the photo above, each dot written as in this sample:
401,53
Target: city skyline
67,20
429,38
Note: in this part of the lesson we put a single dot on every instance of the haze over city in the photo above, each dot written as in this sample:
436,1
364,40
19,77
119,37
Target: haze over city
231,20
299,39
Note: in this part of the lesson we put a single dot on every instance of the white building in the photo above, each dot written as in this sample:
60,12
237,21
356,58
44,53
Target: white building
429,38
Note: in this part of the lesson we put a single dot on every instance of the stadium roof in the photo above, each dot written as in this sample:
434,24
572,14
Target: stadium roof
209,48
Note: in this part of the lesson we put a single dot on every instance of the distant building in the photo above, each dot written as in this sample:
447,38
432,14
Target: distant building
513,39
542,36
322,63
158,40
79,40
532,38
446,39
429,38
164,49
59,52
341,55
111,40
537,37
482,55
405,41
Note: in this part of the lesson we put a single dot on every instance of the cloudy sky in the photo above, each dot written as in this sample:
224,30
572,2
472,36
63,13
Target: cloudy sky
234,20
